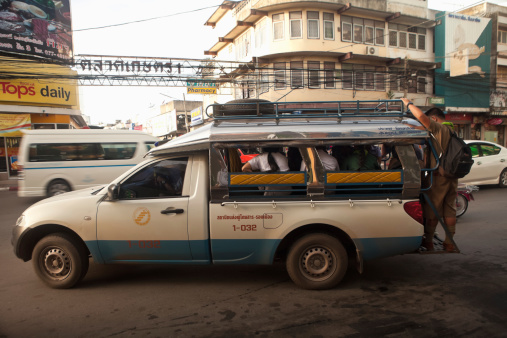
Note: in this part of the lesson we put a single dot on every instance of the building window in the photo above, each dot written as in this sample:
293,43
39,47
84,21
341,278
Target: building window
369,32
278,33
329,71
403,36
347,76
328,26
279,75
242,46
260,35
502,36
380,79
346,28
360,30
313,25
313,74
296,25
264,82
363,77
421,81
395,76
296,74
379,35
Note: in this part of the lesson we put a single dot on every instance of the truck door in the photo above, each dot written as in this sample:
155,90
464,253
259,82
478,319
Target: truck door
148,222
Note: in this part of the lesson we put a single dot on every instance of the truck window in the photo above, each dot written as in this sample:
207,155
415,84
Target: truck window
160,179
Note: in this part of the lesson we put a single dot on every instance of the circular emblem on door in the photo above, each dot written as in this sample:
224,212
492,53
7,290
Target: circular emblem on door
141,216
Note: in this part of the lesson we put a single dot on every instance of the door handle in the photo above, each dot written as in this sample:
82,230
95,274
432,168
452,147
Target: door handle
479,163
172,211
502,160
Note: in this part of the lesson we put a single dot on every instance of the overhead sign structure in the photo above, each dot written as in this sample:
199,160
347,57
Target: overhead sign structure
37,28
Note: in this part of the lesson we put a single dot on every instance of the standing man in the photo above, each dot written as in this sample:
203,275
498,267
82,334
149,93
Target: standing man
443,190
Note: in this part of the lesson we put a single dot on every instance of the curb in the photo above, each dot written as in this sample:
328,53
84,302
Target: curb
8,188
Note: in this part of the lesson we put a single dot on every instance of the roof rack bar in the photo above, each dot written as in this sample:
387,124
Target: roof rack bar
309,109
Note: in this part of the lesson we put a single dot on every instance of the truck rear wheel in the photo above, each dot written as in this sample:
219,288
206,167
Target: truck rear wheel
60,261
317,262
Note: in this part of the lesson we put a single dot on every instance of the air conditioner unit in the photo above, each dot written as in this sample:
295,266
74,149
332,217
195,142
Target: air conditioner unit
370,50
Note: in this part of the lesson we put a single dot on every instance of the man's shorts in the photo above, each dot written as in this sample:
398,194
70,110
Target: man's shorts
443,196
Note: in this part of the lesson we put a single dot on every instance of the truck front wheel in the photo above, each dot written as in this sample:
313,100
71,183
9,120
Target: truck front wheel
60,261
317,262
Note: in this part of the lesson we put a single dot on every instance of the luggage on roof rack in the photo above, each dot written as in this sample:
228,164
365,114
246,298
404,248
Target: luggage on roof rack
263,109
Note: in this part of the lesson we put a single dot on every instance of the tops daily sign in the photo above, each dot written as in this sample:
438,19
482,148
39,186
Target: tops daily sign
23,91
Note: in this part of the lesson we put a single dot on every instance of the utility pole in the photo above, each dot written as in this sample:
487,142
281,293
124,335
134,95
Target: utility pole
185,109
405,85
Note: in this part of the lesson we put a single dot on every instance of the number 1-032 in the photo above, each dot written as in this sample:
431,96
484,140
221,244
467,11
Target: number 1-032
245,227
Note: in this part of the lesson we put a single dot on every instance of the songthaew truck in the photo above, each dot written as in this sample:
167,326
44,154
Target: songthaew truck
190,202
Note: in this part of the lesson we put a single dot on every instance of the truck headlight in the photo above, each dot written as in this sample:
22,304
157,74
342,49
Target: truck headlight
20,220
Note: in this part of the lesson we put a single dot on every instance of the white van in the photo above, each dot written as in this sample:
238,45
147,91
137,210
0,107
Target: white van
56,161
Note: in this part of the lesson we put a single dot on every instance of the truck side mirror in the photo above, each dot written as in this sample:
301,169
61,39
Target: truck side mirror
112,192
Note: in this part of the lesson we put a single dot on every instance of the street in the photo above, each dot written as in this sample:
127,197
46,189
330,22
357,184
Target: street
444,295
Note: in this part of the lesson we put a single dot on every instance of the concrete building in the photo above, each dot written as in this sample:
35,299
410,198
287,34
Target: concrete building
494,124
287,50
174,119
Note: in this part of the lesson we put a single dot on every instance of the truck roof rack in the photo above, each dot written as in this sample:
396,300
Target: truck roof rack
263,109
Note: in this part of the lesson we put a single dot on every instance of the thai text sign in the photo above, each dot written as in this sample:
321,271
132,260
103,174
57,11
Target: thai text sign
37,28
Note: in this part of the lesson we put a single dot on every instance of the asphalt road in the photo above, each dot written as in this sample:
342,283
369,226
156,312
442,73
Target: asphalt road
447,295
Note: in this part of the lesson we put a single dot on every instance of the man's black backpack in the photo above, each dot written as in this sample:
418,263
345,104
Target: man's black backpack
457,161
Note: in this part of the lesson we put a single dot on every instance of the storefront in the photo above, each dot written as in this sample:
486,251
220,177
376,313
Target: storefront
494,130
462,124
33,105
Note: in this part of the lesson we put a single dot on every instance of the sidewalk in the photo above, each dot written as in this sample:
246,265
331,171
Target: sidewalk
9,185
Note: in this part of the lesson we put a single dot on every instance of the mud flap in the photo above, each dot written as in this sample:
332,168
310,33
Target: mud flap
359,261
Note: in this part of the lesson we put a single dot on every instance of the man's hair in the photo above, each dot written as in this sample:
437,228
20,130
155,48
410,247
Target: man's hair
436,112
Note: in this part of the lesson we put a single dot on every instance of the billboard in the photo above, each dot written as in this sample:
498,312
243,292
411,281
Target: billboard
463,46
33,91
40,28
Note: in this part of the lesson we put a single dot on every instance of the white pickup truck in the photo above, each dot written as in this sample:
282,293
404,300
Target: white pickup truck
191,203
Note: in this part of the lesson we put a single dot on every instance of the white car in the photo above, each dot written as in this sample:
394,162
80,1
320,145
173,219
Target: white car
490,166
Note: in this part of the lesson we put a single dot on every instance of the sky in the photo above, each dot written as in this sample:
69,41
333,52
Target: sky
177,35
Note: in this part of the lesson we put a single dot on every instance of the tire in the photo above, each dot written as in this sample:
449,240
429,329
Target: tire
503,179
57,187
244,107
60,260
461,205
317,262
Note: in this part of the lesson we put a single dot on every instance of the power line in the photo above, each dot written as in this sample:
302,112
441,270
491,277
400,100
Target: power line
144,20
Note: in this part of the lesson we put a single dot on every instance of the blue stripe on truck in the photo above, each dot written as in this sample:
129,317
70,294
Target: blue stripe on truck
232,251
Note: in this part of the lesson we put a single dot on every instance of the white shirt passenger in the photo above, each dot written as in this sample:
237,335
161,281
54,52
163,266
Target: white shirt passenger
329,162
260,162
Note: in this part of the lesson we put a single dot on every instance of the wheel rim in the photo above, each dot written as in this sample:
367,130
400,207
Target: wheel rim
58,188
56,263
460,205
503,178
317,263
